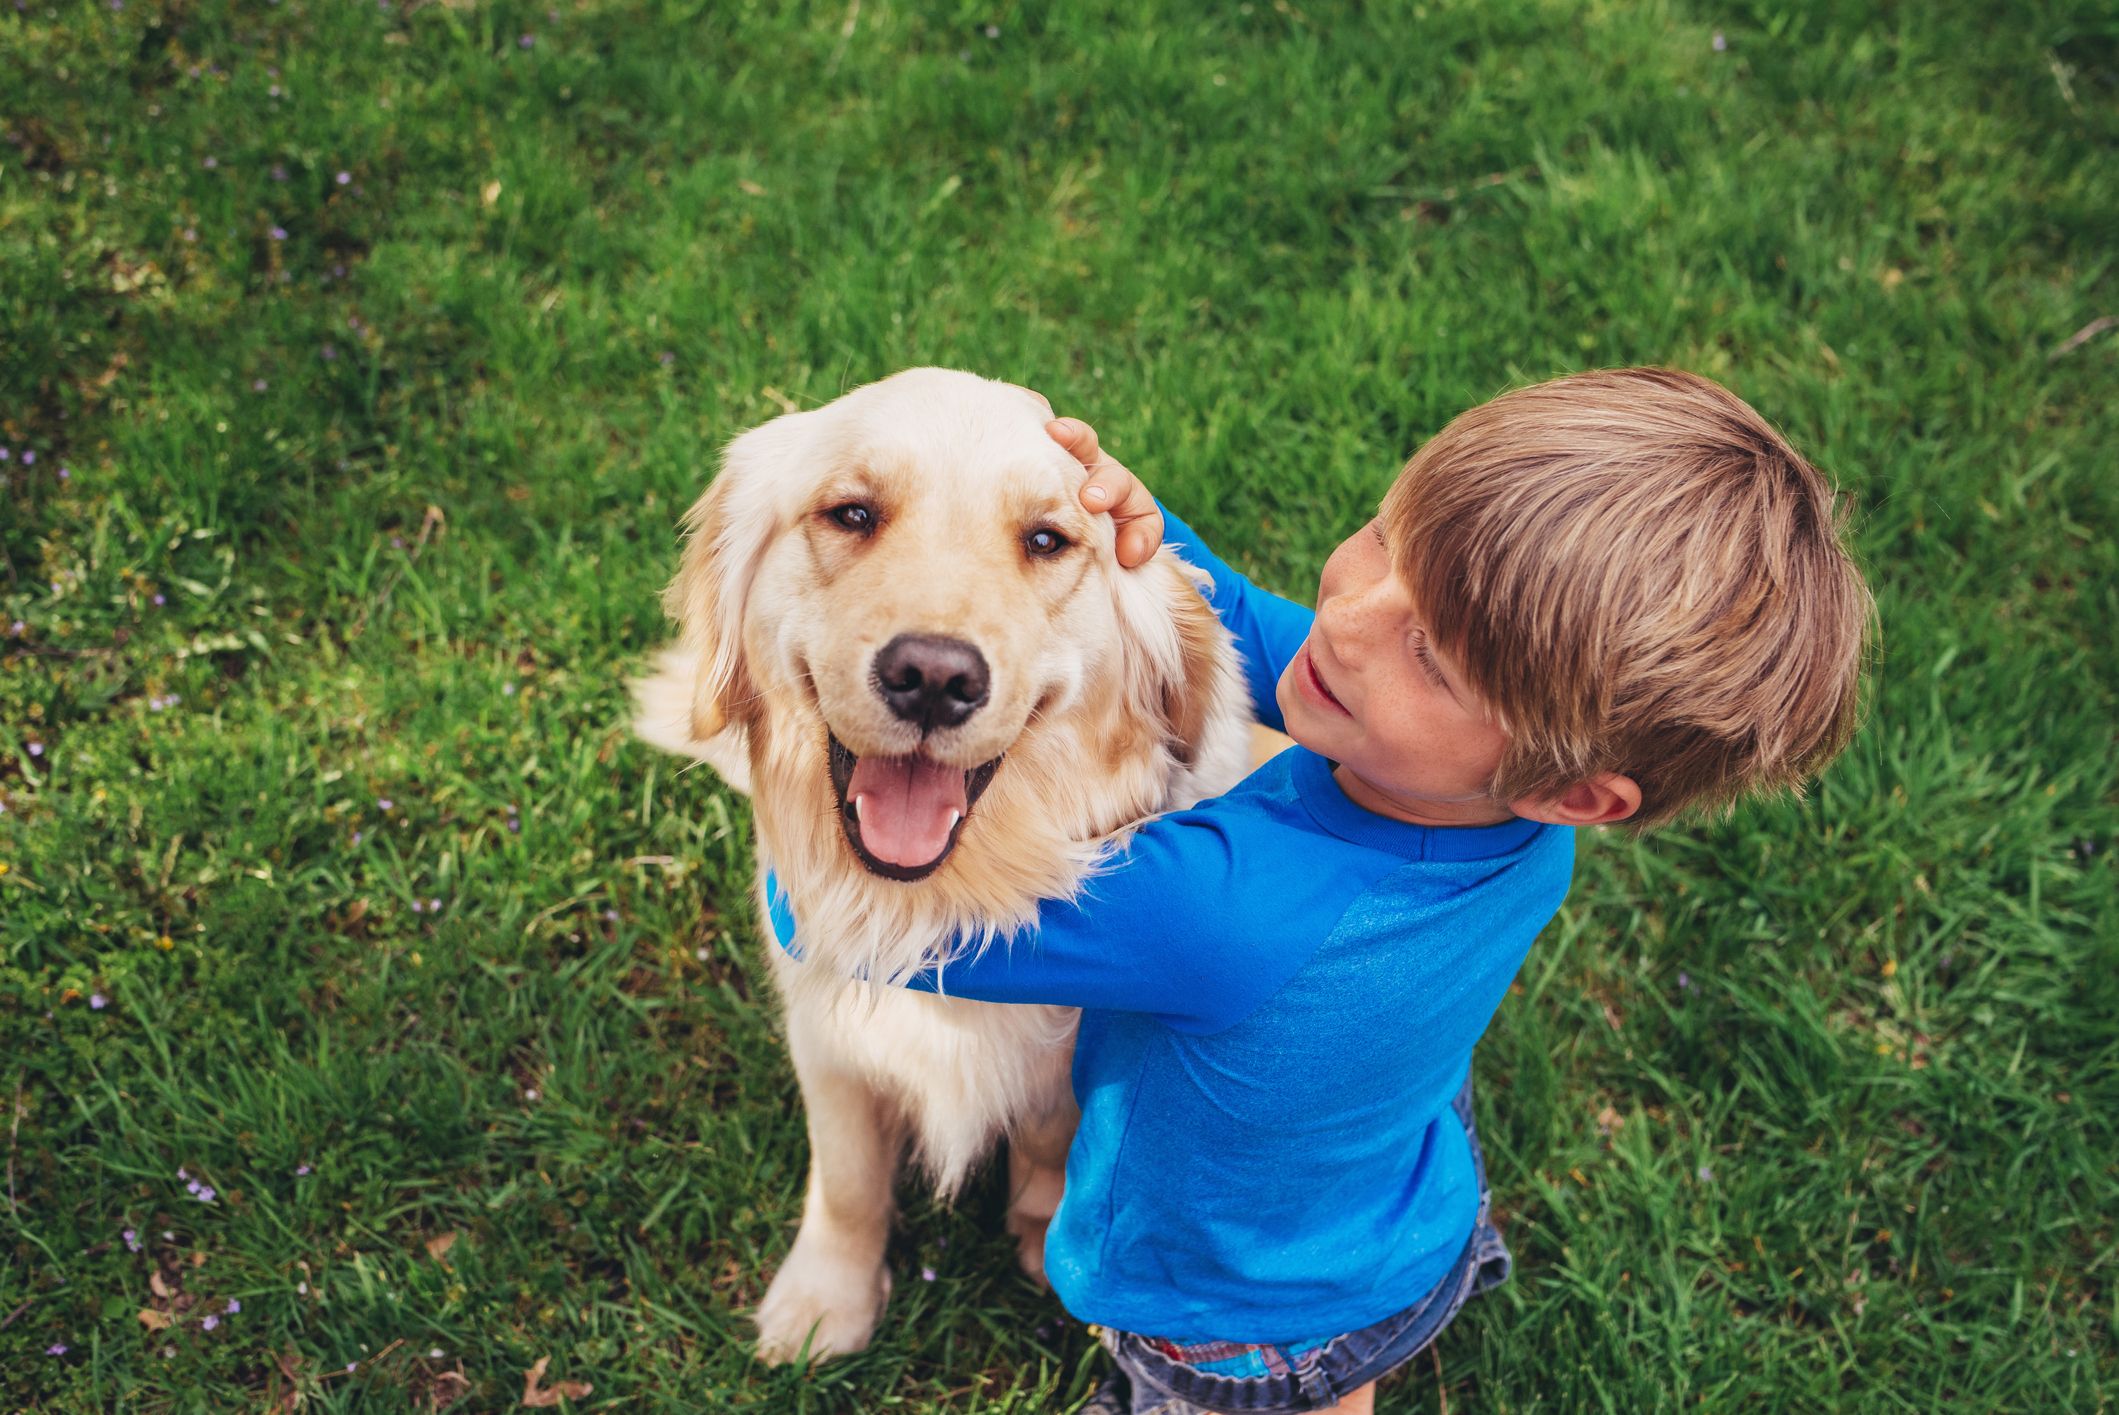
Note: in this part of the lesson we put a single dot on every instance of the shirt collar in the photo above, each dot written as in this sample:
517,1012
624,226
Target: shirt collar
1337,813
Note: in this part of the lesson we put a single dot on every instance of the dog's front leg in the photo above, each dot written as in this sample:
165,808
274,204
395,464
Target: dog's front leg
830,1291
1037,1176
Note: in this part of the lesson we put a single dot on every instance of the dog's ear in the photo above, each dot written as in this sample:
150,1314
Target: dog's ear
709,615
727,532
1179,655
1202,659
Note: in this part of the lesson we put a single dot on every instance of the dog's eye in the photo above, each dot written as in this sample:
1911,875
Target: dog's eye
854,517
1043,542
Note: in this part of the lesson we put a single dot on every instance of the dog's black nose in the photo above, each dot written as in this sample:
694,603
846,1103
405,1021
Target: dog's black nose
931,681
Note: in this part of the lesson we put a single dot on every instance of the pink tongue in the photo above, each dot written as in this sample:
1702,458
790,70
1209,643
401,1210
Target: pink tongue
907,806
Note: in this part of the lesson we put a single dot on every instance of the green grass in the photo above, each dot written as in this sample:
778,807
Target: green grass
1813,1108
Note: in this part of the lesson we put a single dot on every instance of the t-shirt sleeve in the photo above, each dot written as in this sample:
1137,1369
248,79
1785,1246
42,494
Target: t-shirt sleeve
1269,630
1169,927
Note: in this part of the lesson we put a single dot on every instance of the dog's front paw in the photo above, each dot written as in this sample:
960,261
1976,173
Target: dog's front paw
1028,1231
826,1304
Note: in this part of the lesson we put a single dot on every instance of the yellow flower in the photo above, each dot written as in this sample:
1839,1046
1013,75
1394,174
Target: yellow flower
5,867
165,943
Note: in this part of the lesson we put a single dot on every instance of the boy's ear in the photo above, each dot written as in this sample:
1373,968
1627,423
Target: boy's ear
1604,799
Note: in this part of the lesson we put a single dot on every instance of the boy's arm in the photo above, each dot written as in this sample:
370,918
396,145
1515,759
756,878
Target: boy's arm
1170,927
1269,630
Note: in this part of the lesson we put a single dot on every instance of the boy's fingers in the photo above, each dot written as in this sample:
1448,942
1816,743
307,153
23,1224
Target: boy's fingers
1108,487
1138,541
1077,437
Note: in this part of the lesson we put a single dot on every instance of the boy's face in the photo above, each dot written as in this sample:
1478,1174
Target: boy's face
1373,694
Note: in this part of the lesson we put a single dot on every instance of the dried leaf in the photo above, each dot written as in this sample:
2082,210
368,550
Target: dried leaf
439,1245
155,1321
537,1398
489,194
158,1287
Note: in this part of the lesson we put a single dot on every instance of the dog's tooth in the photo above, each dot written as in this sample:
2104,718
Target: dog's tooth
954,817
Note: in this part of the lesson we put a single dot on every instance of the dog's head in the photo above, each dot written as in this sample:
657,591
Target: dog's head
910,570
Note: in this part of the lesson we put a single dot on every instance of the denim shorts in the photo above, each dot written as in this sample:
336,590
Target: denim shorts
1162,1377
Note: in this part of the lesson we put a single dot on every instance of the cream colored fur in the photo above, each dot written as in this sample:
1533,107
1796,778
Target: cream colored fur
1115,695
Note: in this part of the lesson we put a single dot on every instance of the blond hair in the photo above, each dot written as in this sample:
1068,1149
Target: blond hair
1637,574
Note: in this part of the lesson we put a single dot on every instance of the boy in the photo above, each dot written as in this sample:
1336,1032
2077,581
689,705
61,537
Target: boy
1611,597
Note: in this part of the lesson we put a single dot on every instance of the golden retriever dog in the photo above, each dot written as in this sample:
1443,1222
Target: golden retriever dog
901,632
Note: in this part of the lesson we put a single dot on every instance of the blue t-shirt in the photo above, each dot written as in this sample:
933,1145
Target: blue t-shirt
1280,991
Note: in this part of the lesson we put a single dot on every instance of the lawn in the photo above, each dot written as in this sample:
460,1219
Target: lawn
377,1020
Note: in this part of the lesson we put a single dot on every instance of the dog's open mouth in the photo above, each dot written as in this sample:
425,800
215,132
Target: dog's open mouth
902,814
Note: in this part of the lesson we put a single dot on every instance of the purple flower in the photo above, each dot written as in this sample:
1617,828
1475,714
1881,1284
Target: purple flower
3,454
433,906
417,906
29,459
274,92
160,600
300,1170
667,358
193,1187
385,805
927,1274
1719,43
356,837
329,352
209,1322
1684,981
132,1240
206,1194
97,1001
234,1306
525,41
57,1348
36,749
279,233
183,1173
65,475
1705,1174
344,178
507,690
279,171
212,162
258,385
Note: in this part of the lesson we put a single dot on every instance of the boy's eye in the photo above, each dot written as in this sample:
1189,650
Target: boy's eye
853,516
1426,659
1044,542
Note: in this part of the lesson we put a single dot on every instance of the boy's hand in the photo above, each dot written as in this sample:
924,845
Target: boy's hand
1112,488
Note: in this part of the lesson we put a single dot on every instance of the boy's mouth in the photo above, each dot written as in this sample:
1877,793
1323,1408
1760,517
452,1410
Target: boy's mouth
1306,668
902,814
